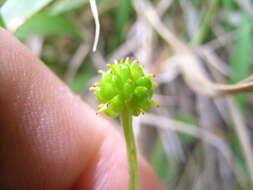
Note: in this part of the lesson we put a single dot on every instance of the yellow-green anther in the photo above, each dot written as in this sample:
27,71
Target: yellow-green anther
126,82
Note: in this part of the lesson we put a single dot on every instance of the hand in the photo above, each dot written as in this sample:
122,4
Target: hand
49,138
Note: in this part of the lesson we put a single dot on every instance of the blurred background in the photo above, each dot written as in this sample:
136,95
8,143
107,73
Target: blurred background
201,52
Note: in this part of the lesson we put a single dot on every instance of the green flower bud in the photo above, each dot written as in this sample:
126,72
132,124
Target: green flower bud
124,86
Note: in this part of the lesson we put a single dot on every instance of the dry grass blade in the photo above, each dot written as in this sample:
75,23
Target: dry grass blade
95,15
197,79
213,60
201,133
189,64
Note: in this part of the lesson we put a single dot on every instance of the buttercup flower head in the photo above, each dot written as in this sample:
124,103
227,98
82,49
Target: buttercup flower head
124,86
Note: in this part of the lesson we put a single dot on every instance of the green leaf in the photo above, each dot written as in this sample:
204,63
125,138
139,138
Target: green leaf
241,51
123,12
45,24
240,54
227,4
16,12
60,7
1,21
1,2
160,163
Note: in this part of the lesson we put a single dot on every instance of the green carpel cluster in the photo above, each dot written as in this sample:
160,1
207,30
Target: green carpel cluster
124,86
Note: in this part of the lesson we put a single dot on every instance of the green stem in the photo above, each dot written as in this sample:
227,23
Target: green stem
126,122
205,25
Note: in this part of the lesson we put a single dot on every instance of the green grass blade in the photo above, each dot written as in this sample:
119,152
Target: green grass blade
60,7
45,24
123,12
16,12
240,55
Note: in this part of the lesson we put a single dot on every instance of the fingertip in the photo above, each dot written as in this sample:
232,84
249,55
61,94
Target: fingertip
109,169
48,134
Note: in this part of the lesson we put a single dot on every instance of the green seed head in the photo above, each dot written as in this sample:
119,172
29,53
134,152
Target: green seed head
124,86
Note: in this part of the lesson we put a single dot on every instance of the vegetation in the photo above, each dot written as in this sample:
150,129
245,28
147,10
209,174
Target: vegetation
201,53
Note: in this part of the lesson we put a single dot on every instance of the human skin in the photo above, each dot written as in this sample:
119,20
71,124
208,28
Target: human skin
49,138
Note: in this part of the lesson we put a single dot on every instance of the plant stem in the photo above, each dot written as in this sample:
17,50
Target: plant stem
205,25
126,122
